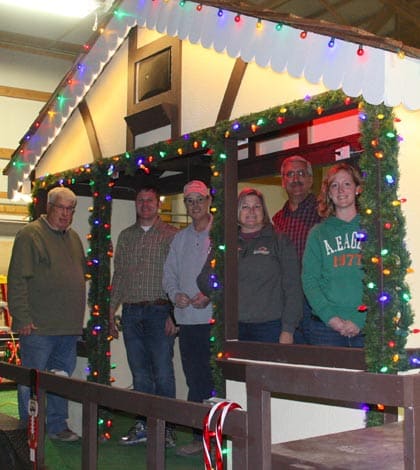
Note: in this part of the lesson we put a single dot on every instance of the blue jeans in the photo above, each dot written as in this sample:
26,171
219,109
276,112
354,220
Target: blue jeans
149,349
47,353
323,335
194,346
266,332
302,332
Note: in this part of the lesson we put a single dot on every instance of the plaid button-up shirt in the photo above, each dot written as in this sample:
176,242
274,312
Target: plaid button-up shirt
138,263
297,224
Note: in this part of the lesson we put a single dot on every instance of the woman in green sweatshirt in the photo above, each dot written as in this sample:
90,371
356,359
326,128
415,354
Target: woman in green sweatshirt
332,263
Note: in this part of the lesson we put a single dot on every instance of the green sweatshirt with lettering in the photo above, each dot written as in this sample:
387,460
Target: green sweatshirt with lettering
332,272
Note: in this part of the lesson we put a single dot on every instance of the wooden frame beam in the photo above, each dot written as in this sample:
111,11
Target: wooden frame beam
232,90
90,130
39,46
5,153
404,9
378,21
24,94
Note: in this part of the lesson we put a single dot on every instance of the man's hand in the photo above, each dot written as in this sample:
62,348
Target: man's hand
200,300
170,328
286,338
182,300
27,329
113,330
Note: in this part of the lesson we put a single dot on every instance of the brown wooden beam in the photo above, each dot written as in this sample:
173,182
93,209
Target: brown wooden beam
404,9
379,20
275,4
334,12
333,9
232,90
332,384
24,94
345,358
90,130
39,46
320,153
12,209
90,434
230,185
5,153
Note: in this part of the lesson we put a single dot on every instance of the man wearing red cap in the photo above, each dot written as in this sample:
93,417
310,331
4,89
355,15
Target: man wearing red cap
187,255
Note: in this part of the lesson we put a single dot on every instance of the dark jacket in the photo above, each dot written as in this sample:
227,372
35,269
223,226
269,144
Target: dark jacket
268,280
46,280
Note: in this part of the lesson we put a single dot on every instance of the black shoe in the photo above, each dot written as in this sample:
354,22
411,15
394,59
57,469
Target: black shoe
135,435
170,438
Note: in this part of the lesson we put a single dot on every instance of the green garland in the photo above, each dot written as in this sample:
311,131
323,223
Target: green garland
387,325
99,255
218,243
386,259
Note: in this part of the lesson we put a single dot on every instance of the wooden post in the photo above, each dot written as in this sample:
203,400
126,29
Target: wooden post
90,435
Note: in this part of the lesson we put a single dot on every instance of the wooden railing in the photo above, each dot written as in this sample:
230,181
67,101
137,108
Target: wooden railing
157,409
316,384
327,384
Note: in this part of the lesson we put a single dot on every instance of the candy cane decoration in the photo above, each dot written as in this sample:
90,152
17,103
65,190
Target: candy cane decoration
219,431
207,434
225,406
33,417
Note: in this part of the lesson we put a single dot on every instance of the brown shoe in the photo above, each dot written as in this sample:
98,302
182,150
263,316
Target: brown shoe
66,435
194,448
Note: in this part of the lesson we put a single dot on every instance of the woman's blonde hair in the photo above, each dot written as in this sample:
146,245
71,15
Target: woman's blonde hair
326,206
253,192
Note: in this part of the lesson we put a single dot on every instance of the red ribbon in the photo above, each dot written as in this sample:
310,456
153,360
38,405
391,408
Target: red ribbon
217,434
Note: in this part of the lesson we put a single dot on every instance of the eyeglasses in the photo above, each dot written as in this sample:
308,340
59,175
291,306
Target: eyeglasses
299,173
191,202
64,209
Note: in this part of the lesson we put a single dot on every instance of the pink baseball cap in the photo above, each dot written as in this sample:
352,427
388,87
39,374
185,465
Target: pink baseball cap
196,186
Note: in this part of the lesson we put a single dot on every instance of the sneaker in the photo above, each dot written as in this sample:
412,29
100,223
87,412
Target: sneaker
170,438
135,435
194,448
66,436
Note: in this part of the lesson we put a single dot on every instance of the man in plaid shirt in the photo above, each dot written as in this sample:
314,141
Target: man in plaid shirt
147,325
296,218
